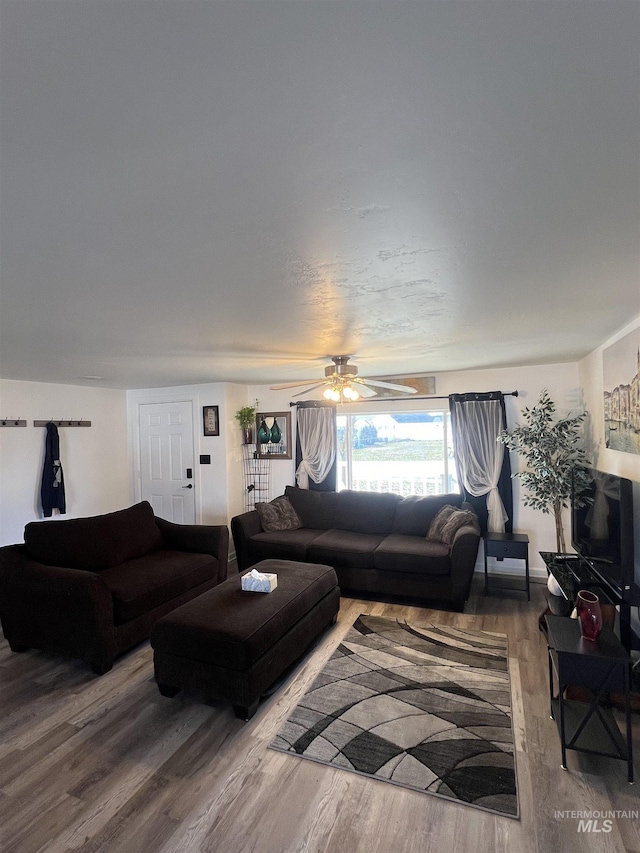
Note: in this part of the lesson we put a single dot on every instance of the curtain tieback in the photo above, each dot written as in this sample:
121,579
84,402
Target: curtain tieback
302,475
497,515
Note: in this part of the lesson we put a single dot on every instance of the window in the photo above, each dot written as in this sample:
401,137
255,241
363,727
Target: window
409,453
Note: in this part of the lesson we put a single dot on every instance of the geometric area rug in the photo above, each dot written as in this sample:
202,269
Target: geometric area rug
424,707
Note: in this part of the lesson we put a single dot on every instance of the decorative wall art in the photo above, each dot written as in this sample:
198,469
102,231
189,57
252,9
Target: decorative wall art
211,420
273,435
621,381
424,385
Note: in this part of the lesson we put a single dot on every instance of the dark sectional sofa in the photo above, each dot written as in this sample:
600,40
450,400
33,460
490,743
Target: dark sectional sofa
377,543
92,587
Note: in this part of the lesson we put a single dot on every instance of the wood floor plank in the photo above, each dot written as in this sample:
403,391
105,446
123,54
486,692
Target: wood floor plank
107,765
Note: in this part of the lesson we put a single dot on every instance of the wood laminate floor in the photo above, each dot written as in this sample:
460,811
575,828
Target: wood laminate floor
105,763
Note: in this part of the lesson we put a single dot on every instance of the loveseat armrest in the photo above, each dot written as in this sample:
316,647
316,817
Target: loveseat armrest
464,553
243,527
61,609
198,539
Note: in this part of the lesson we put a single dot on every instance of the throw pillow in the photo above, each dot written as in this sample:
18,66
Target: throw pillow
458,518
279,514
435,528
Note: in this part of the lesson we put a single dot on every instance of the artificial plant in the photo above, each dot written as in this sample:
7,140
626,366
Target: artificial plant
246,415
555,459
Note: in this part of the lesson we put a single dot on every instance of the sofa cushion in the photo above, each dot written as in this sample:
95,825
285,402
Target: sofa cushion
413,554
145,583
365,512
94,543
316,509
414,513
344,548
278,514
457,519
283,544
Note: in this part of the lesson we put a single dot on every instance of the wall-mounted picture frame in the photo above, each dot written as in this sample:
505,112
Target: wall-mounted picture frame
273,435
211,420
621,379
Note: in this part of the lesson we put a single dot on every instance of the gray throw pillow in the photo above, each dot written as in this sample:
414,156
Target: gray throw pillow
279,514
458,518
435,528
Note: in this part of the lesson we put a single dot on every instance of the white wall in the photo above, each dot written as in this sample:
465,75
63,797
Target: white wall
94,459
237,397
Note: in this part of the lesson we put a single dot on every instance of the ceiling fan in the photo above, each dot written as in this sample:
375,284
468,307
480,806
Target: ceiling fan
343,383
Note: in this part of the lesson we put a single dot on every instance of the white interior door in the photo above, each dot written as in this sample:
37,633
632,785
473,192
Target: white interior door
166,460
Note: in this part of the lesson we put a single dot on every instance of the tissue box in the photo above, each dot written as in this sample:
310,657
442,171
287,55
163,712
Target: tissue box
250,584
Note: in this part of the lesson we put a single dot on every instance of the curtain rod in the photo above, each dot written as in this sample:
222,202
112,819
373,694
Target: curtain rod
469,394
395,399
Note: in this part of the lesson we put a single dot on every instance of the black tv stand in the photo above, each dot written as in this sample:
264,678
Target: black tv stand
572,574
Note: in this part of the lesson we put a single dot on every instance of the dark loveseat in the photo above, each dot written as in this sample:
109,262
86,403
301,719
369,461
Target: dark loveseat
377,543
92,587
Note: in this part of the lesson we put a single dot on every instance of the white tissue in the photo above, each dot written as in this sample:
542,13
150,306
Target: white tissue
259,576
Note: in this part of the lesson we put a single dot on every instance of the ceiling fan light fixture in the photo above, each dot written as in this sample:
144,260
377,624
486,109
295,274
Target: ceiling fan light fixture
332,393
340,390
342,383
350,393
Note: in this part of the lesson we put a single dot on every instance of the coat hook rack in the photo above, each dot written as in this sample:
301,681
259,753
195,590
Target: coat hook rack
12,422
66,422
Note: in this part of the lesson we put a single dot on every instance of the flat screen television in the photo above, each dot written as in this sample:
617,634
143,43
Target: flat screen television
602,530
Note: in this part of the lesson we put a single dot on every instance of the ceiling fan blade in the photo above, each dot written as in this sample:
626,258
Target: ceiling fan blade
292,384
362,389
307,390
405,389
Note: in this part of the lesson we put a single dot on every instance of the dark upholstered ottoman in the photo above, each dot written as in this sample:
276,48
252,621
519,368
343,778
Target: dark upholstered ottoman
233,644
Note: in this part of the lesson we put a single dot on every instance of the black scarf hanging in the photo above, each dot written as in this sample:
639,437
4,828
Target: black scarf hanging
52,488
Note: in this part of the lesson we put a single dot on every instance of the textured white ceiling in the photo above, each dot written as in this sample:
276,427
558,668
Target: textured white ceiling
200,191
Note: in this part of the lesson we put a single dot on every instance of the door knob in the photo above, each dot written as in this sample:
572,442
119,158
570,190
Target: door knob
188,487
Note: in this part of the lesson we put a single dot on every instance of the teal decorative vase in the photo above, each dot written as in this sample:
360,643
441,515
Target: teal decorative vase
276,434
264,433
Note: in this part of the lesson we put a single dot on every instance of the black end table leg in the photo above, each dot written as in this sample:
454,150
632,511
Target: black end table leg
486,576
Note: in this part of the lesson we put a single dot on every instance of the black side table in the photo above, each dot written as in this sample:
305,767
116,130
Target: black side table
501,545
598,666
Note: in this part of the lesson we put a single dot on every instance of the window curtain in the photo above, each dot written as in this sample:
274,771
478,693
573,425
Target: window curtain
316,446
483,465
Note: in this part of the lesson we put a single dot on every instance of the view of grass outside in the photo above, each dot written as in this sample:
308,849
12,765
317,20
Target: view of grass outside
408,454
401,451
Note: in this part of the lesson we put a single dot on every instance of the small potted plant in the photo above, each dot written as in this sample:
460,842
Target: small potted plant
246,417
